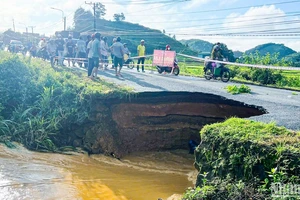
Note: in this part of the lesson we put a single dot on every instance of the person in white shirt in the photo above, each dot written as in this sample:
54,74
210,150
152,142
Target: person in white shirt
118,51
90,56
81,51
104,52
51,48
42,43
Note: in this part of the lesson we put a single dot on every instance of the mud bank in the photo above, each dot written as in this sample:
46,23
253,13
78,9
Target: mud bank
152,121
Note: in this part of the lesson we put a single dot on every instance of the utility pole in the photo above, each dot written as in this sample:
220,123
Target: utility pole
94,9
14,25
64,18
65,24
31,29
32,37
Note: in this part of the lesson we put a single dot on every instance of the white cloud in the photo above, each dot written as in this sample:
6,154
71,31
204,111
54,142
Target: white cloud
181,19
227,2
195,3
263,20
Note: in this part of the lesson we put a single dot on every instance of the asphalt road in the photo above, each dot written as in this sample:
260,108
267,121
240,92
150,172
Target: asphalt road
283,106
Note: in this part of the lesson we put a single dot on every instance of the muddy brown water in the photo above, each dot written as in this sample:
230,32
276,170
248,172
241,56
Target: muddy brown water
142,176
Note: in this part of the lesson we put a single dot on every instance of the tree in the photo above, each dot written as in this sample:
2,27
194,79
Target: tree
82,19
174,37
100,10
164,31
119,17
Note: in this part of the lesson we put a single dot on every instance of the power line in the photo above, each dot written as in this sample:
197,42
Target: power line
145,2
275,16
226,9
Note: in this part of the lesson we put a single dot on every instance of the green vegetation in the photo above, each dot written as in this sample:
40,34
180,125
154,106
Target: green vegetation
198,45
130,33
240,159
272,49
233,89
294,59
279,78
39,104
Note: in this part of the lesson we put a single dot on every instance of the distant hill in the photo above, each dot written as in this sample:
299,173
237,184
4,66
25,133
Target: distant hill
272,48
198,45
238,54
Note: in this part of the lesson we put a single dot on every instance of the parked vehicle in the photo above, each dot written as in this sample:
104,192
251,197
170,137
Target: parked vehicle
15,46
174,69
216,70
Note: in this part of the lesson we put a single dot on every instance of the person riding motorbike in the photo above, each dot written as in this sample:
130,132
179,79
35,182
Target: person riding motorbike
168,48
127,54
42,49
216,53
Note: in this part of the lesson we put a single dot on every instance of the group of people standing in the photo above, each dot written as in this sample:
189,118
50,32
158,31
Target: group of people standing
91,54
98,51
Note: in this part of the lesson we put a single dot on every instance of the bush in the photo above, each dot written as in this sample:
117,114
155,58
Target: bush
244,151
233,89
266,76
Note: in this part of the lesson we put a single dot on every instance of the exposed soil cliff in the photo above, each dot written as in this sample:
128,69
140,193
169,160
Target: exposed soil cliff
153,121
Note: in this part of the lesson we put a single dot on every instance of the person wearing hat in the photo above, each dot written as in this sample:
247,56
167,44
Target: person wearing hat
216,52
118,50
141,51
126,50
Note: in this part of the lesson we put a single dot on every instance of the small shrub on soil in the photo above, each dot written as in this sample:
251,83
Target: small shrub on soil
233,89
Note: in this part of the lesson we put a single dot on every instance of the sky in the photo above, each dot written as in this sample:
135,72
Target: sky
249,23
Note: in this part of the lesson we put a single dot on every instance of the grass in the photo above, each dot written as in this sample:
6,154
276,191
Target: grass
240,159
258,132
39,103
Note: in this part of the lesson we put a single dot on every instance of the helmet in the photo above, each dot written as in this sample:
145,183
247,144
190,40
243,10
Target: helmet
168,47
217,47
142,40
124,44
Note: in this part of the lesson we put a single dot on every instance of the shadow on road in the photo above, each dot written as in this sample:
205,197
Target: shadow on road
130,77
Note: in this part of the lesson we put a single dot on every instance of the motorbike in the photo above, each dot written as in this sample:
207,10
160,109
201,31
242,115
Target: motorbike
214,70
175,69
43,54
128,61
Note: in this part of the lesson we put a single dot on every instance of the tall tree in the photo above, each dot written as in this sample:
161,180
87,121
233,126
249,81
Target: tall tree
82,19
100,10
119,17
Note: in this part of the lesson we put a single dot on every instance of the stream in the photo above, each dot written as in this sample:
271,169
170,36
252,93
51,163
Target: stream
31,175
